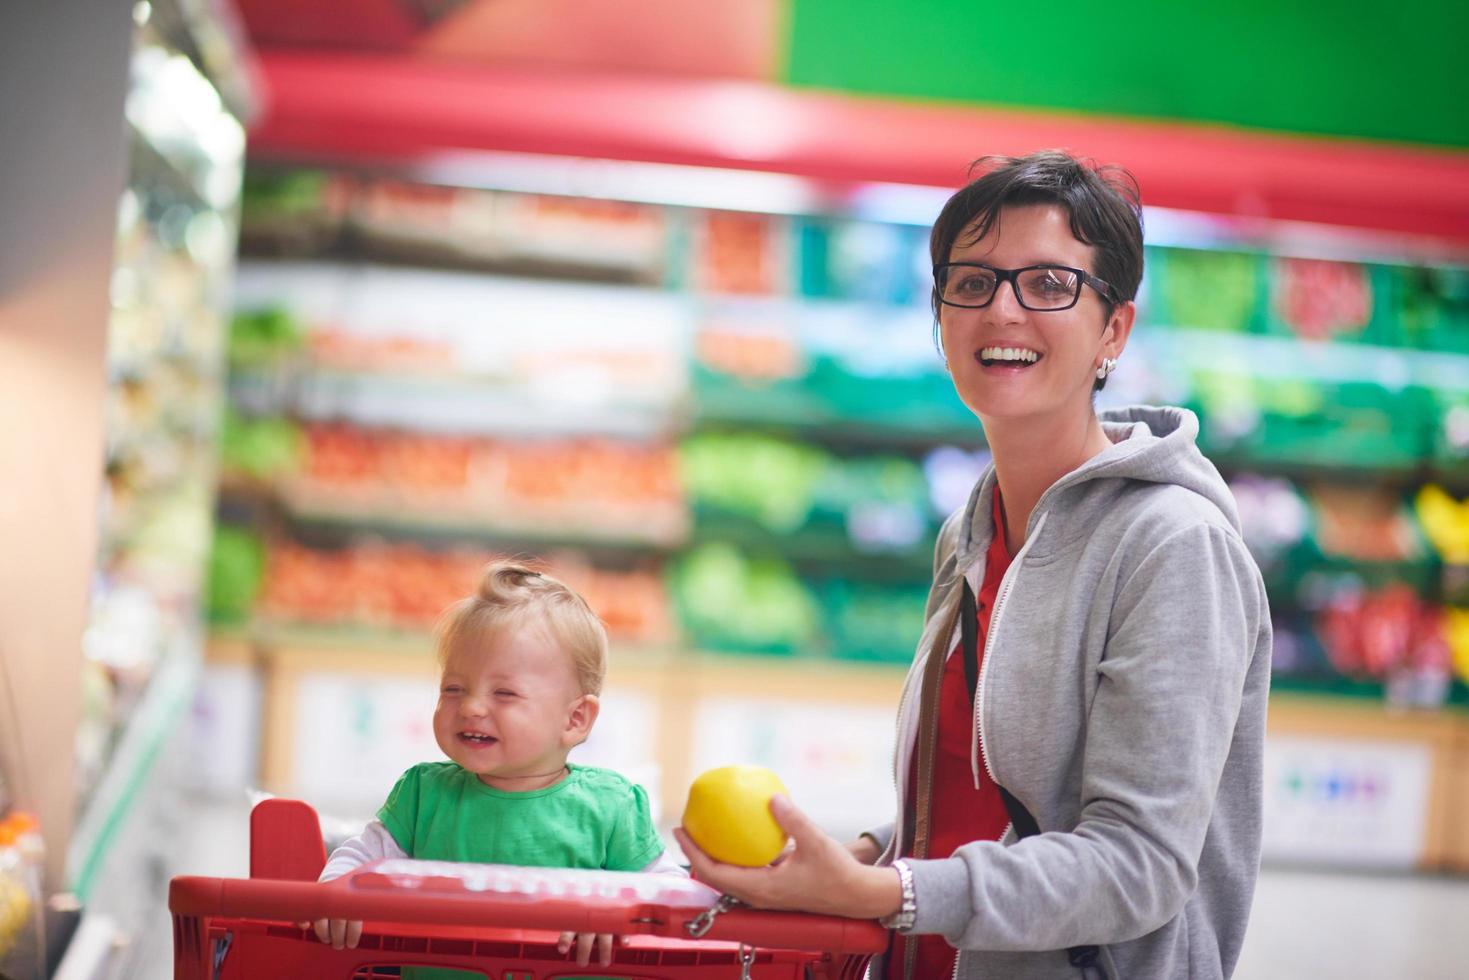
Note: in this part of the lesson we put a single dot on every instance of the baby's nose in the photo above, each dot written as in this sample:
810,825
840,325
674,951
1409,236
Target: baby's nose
473,706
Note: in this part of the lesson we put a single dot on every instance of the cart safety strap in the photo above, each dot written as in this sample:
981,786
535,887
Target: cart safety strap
700,925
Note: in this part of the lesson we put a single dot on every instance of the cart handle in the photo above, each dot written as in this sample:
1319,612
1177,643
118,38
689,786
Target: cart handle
500,896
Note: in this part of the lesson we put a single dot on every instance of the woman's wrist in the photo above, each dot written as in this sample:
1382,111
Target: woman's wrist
878,893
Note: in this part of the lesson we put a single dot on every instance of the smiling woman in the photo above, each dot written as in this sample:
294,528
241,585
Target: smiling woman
1081,732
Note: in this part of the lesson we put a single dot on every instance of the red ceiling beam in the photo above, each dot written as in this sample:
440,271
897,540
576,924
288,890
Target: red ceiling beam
398,109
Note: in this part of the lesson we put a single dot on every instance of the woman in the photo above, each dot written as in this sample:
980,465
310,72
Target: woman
1118,630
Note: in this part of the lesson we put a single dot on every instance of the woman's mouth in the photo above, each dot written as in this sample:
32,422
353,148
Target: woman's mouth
1007,358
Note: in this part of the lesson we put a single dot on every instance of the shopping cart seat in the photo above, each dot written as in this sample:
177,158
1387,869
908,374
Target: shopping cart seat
501,921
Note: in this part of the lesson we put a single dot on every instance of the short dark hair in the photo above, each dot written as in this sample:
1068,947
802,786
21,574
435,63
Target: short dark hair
1104,203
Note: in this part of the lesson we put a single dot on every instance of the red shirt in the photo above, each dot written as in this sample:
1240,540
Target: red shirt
959,813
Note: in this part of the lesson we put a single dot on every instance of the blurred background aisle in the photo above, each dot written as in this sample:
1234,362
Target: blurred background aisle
309,310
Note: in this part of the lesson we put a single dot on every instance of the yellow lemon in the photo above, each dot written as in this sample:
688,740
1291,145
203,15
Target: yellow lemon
728,815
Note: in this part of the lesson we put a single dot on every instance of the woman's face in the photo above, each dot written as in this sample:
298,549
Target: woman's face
1068,345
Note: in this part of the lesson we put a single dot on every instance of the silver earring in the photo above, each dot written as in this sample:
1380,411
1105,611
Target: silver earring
1109,364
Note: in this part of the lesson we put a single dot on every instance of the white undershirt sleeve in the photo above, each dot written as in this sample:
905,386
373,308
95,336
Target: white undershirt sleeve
372,844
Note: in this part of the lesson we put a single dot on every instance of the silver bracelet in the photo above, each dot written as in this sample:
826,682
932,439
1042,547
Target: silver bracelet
903,919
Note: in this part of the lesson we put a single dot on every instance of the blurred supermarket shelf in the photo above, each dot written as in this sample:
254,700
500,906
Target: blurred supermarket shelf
157,714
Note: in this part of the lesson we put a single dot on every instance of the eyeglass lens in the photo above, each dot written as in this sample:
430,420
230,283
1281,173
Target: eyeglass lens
1038,289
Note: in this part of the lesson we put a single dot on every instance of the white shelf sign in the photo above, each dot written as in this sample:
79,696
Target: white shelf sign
1345,802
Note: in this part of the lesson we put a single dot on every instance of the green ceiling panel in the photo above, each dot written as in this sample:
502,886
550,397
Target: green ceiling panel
1393,71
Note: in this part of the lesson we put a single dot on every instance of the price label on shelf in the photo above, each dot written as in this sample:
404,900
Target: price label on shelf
1345,801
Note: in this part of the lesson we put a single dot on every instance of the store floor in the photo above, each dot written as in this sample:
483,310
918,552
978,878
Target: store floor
1305,924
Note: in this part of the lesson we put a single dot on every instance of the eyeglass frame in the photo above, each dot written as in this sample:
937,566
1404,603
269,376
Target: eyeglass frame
1003,276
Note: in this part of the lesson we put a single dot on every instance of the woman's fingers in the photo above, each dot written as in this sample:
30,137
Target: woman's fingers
604,948
354,933
795,823
323,930
563,945
749,885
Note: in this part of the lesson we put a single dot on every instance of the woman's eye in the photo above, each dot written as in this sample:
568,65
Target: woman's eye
976,285
1054,285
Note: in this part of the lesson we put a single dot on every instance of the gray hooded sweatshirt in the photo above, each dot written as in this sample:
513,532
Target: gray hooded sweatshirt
1122,700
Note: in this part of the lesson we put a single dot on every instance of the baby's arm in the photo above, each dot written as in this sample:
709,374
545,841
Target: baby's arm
373,843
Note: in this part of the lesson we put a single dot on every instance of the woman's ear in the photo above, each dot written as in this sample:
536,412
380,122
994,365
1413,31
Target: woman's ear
1118,329
579,721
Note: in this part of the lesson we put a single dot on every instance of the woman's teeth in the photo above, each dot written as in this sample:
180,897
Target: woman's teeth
1000,355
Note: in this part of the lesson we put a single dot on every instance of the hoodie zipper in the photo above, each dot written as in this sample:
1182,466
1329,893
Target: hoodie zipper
981,749
979,746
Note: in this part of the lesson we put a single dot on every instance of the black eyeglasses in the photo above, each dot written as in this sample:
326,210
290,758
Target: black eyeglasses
1044,288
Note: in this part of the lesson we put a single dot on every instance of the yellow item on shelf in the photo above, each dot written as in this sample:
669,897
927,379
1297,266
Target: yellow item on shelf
1446,522
728,815
15,911
1457,627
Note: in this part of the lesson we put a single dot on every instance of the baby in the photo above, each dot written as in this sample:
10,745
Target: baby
522,665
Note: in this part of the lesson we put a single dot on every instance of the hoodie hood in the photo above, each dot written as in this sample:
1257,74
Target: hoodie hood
1150,444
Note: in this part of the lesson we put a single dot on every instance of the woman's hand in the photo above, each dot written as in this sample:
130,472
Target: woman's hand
818,874
584,942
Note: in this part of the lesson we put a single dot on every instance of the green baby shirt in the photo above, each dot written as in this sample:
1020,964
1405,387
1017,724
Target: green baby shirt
594,818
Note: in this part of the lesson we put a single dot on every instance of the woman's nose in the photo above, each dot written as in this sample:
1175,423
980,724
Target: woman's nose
1006,301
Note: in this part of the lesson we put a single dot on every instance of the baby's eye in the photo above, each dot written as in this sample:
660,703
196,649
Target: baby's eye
505,693
451,689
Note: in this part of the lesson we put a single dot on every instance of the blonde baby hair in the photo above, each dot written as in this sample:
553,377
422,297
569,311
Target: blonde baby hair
510,596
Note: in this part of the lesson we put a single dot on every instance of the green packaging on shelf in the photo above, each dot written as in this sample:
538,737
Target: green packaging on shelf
1206,290
1351,426
873,623
865,261
283,193
1433,307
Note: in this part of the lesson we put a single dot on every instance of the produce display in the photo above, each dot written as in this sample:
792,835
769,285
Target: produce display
809,440
404,587
166,352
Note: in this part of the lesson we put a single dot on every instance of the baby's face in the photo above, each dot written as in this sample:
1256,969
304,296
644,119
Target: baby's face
506,708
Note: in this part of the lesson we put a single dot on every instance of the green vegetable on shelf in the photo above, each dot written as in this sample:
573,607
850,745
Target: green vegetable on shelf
1208,290
263,338
236,570
728,600
260,448
771,480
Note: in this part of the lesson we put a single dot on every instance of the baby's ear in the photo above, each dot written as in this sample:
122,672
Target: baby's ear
583,716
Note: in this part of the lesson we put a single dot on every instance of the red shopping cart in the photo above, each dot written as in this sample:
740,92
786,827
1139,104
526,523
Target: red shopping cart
496,921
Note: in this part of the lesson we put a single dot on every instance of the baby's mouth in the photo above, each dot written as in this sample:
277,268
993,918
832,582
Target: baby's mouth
478,739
